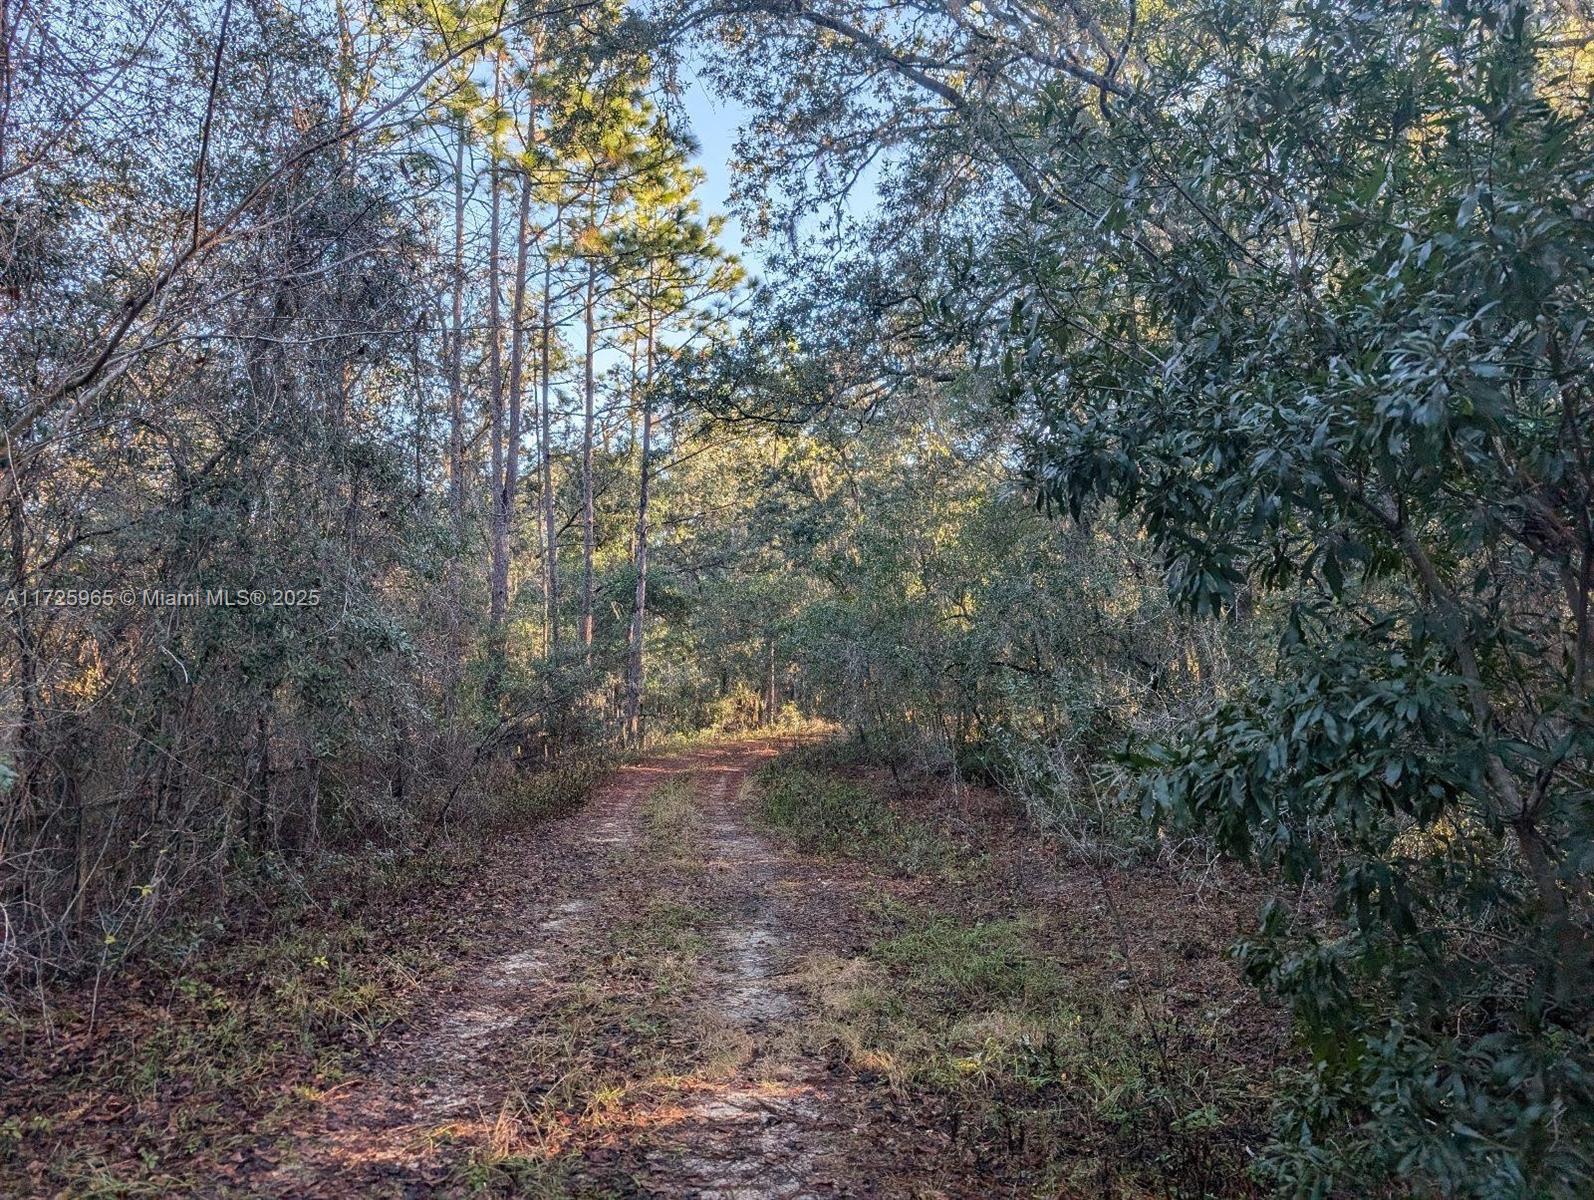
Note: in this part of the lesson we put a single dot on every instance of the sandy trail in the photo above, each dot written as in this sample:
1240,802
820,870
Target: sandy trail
764,1131
443,1093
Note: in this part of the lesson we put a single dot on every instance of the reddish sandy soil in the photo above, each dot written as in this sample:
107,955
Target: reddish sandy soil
439,1091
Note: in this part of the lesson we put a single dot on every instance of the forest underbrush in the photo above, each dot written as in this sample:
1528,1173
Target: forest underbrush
208,1042
1078,1026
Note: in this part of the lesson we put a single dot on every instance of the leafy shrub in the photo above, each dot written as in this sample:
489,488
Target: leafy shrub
1391,441
516,796
736,711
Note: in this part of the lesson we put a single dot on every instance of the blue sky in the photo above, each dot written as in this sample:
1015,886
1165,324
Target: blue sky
714,122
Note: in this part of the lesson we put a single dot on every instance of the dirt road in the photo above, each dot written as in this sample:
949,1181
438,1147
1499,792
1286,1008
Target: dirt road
638,1037
656,996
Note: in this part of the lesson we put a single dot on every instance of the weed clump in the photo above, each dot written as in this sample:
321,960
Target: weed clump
826,814
519,797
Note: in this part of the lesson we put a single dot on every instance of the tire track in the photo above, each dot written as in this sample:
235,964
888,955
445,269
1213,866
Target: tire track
441,1079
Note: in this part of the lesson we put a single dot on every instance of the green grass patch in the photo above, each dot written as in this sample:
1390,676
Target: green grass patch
991,964
666,928
827,814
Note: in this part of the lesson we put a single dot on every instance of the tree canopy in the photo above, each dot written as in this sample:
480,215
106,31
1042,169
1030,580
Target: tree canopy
1176,415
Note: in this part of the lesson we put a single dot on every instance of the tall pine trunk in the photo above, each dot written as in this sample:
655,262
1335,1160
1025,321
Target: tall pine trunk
587,512
496,600
550,529
508,485
634,731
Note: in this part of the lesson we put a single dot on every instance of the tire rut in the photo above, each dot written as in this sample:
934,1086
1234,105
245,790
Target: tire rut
440,1079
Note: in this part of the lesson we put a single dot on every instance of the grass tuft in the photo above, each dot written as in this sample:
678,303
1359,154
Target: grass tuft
671,815
826,814
517,797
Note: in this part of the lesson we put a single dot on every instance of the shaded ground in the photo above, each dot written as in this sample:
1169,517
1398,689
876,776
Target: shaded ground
659,996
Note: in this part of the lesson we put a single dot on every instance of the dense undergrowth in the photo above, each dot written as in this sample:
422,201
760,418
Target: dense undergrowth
829,814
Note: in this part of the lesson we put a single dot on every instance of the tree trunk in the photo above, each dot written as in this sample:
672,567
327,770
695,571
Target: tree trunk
26,680
634,664
455,652
504,496
7,74
497,599
769,706
259,790
587,531
545,416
